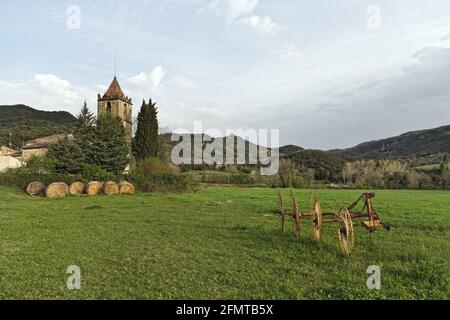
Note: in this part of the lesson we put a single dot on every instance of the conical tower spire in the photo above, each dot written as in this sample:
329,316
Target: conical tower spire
114,91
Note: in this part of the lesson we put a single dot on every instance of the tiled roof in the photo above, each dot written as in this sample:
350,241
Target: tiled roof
6,151
46,141
114,91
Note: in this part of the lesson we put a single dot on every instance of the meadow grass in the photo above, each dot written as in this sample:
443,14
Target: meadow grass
218,243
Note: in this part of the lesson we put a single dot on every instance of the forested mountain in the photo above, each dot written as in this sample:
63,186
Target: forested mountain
25,123
426,146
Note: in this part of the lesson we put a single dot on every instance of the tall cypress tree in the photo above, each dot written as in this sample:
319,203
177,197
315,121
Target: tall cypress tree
140,147
110,149
154,129
146,144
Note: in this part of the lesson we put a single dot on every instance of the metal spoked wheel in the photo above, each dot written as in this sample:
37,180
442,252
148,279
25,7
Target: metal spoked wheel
317,222
346,233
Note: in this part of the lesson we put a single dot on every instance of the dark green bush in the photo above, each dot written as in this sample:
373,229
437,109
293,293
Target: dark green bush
242,179
92,172
19,179
39,165
156,166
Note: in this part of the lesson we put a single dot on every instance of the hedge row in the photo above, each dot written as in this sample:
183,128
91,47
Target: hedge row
145,183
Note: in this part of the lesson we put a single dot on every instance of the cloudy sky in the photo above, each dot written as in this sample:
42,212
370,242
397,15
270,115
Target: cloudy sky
328,74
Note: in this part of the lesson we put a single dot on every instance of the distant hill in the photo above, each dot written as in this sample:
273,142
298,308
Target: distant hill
289,149
422,145
237,141
26,123
326,165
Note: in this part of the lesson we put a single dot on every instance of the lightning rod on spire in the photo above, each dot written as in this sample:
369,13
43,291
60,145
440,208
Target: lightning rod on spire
115,64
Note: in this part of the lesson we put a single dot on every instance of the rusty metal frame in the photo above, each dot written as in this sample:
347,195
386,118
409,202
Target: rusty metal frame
344,217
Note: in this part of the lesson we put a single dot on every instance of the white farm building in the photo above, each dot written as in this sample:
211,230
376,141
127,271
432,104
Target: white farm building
8,162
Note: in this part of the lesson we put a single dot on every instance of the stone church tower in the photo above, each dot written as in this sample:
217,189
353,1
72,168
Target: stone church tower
116,103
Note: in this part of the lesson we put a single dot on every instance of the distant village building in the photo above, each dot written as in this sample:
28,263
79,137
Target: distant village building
39,147
5,151
8,162
9,159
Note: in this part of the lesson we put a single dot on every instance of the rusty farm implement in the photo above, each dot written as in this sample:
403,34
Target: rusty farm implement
346,218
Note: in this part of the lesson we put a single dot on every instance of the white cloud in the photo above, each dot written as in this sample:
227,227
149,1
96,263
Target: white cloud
183,83
445,38
47,92
261,24
151,79
54,86
290,54
241,11
199,11
234,9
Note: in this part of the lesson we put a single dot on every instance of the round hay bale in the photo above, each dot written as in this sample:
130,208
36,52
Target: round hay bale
36,188
57,190
111,188
76,188
126,188
94,188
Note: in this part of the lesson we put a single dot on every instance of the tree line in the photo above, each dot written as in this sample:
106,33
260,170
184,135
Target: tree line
376,174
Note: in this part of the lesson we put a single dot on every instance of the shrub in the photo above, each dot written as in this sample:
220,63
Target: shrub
19,178
286,171
164,182
66,155
39,165
94,172
155,175
156,166
242,179
215,177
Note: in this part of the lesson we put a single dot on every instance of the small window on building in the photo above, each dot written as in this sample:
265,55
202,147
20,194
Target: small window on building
108,107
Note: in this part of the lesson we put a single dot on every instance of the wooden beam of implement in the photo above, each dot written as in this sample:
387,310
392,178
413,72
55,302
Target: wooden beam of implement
310,214
282,210
296,213
354,204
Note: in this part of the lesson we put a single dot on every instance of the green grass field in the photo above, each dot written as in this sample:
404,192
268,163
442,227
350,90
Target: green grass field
217,244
